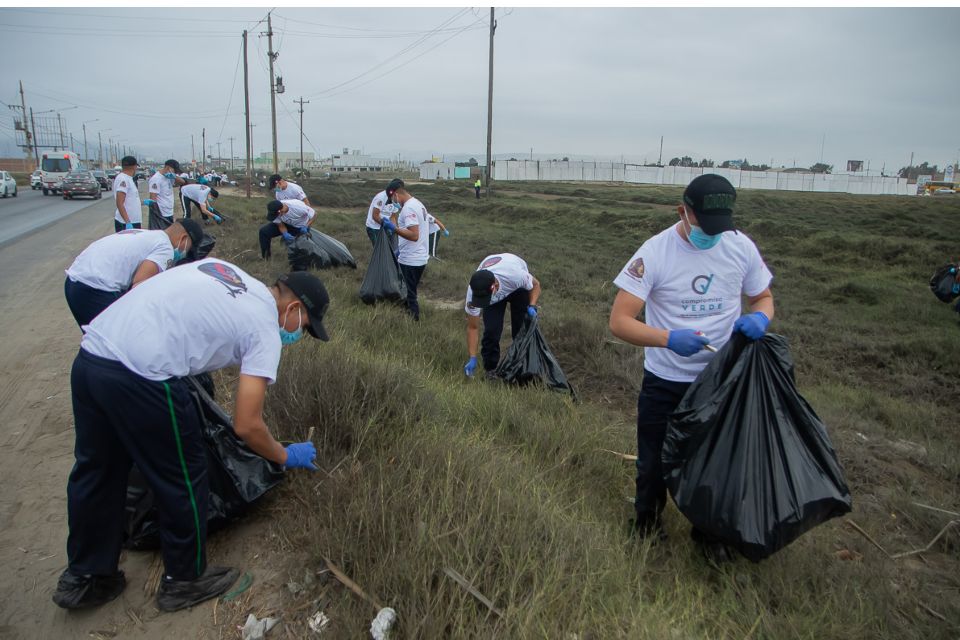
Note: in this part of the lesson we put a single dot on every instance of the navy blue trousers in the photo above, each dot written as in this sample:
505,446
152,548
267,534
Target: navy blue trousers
120,226
121,418
270,231
493,317
658,399
411,276
85,302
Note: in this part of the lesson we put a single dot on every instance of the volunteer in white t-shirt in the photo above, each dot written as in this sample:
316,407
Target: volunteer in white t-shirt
688,280
413,250
287,218
106,269
501,279
132,405
160,187
127,214
198,195
286,190
436,227
379,206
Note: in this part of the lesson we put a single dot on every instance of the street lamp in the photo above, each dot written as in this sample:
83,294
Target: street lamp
85,154
100,142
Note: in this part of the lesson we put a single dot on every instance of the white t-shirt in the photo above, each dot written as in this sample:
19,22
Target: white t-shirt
434,227
510,271
379,202
686,288
196,192
413,254
292,192
298,214
110,263
199,317
131,203
164,190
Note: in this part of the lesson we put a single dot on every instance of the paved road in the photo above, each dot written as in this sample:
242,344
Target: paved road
31,210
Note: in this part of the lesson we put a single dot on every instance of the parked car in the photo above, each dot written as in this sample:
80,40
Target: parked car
80,183
36,179
8,186
111,174
101,177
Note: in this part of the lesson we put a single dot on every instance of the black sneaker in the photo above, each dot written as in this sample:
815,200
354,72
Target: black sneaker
714,551
174,595
79,592
491,376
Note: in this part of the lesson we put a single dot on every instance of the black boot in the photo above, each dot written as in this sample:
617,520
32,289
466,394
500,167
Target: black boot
77,591
174,595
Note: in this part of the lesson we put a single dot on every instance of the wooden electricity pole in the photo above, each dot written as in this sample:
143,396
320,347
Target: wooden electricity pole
301,102
493,28
246,111
273,92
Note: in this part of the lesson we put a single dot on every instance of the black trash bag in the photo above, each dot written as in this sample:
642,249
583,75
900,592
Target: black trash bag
237,477
156,221
944,283
318,250
745,458
383,280
529,359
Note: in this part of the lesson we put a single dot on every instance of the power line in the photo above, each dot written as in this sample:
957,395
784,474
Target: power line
82,31
84,14
232,89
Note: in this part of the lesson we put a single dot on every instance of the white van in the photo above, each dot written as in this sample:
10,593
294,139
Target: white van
54,167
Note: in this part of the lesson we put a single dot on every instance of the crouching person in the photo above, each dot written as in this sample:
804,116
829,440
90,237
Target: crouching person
132,405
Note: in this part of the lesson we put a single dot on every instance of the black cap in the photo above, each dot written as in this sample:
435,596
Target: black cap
273,209
310,291
195,231
481,286
173,164
214,192
274,179
129,161
395,184
712,198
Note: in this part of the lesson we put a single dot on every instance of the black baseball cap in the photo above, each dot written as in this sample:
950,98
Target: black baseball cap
712,198
173,164
273,209
481,286
275,179
395,184
214,192
195,231
310,291
129,161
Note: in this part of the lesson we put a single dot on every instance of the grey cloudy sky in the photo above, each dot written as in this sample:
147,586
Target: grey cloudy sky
720,83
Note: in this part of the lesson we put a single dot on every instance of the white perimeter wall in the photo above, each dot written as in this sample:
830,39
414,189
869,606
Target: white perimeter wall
580,171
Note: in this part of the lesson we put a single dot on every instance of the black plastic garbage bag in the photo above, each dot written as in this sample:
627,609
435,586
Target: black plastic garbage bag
383,280
529,359
318,250
745,458
155,220
237,476
944,283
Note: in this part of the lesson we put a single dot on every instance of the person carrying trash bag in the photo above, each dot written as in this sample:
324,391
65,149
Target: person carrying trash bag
688,280
287,218
413,252
160,189
112,265
132,404
501,280
381,208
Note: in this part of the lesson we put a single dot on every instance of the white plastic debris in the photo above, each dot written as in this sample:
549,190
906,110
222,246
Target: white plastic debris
318,622
381,625
254,629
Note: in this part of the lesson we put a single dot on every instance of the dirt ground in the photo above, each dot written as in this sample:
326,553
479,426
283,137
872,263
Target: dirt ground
40,340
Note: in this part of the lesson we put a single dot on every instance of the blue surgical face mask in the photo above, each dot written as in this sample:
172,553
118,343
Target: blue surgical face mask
170,176
701,240
289,337
177,254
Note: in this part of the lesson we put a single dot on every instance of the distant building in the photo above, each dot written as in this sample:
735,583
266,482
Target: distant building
285,159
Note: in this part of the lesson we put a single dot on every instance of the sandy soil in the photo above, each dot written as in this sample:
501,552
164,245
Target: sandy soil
39,340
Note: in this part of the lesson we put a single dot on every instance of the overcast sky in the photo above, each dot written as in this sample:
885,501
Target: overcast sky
870,84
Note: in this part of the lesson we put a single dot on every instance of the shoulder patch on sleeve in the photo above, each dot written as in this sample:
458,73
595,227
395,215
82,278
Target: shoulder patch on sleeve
635,269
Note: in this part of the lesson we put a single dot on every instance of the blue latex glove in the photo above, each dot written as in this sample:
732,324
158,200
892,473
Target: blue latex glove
686,342
446,232
287,237
149,202
753,325
129,225
389,226
217,218
471,367
300,455
532,311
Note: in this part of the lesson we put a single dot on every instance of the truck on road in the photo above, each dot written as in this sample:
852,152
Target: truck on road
54,167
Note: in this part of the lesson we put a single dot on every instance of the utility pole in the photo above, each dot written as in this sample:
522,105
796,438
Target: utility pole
273,90
823,141
660,159
100,142
231,153
36,151
85,155
193,154
203,149
493,28
219,160
246,111
29,136
301,102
